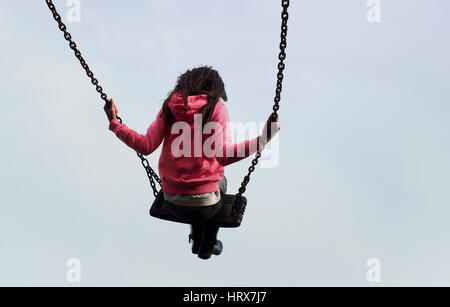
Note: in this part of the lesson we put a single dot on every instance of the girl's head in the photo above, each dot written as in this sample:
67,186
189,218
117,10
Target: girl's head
198,81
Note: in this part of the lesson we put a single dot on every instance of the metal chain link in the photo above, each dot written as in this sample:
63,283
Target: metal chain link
237,206
152,176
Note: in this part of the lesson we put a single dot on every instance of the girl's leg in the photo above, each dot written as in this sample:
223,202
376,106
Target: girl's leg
197,232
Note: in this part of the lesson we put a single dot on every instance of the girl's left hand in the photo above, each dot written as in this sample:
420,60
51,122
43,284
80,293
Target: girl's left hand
111,110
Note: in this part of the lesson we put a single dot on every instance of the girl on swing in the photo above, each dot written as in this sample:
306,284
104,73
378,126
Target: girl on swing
193,181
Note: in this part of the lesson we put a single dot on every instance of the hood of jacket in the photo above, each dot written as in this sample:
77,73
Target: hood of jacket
195,106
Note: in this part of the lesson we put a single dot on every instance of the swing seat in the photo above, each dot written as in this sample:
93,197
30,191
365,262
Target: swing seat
224,218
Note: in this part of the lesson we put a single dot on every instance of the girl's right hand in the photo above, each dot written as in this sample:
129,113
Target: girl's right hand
271,128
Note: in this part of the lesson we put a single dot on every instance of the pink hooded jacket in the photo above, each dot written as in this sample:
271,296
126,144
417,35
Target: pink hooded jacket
195,173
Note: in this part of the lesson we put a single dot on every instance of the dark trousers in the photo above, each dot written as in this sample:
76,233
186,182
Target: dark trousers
203,229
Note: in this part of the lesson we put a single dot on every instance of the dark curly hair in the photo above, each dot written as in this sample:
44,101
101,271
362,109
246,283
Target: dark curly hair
202,80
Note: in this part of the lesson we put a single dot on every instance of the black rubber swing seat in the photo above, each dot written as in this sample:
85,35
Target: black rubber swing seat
224,218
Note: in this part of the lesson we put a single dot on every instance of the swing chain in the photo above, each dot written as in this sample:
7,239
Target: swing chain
152,176
237,206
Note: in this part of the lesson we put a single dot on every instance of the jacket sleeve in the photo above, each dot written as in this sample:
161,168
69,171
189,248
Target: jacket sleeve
144,144
232,153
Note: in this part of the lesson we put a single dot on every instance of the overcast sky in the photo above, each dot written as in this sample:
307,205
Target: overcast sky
364,168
